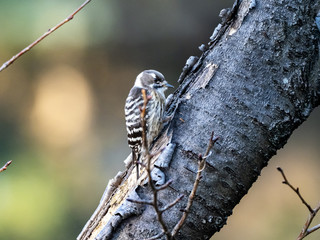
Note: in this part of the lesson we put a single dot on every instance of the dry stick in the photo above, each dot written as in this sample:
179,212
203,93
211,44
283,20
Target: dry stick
296,190
312,212
5,166
170,205
159,211
201,166
10,61
306,230
146,202
155,236
148,156
310,230
164,186
155,189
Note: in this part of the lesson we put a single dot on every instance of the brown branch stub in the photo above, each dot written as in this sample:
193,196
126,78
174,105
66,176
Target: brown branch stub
51,30
312,212
5,166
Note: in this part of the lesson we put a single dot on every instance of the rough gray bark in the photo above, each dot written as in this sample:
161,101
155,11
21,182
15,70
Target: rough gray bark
257,82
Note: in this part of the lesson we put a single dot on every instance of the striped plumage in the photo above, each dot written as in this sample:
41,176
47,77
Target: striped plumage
155,85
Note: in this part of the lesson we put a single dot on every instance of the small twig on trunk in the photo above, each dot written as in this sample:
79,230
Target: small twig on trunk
148,158
165,208
155,189
51,30
155,236
312,212
146,202
5,166
164,186
201,166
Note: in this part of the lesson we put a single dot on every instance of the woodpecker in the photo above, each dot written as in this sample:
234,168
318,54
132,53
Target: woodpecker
155,85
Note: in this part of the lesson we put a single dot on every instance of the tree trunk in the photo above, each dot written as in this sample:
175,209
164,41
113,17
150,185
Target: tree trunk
256,82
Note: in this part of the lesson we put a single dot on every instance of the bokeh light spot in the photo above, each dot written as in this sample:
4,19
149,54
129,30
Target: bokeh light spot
62,110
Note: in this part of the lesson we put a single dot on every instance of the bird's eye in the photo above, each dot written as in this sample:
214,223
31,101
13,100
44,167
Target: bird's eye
157,80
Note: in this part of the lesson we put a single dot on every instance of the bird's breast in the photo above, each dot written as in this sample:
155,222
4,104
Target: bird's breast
155,115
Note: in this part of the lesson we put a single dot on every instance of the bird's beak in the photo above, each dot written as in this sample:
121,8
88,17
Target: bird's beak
168,85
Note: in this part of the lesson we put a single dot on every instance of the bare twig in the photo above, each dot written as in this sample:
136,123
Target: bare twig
51,30
306,230
312,212
201,166
164,186
154,202
155,189
148,158
5,166
146,202
310,230
156,236
165,208
296,190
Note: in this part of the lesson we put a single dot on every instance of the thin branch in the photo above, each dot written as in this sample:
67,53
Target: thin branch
51,30
306,230
313,229
155,236
148,157
201,166
164,186
165,208
312,212
146,202
5,166
296,190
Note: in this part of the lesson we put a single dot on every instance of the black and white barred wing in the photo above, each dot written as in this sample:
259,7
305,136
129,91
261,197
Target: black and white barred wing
133,105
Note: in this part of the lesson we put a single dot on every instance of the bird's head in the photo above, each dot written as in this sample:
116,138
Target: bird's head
152,79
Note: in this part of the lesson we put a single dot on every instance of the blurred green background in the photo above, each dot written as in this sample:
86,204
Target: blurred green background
62,120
